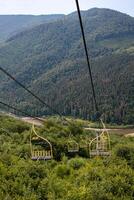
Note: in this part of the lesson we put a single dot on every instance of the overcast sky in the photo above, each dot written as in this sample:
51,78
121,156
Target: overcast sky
61,6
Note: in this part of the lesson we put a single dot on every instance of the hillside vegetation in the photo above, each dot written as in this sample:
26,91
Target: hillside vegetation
50,60
11,24
64,177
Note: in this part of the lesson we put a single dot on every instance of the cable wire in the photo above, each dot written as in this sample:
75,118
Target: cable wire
20,111
34,95
86,51
30,92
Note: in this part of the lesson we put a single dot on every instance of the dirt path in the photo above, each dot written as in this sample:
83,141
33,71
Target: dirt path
32,121
98,129
127,132
129,135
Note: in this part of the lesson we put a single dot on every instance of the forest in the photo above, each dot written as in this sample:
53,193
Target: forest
49,59
12,24
76,177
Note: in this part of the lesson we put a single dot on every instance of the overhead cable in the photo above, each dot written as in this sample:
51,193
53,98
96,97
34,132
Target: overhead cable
87,56
20,111
30,92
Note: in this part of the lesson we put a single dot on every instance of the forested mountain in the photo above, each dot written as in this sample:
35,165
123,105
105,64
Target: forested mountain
50,60
11,24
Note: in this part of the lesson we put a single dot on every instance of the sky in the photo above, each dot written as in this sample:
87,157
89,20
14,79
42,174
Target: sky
38,7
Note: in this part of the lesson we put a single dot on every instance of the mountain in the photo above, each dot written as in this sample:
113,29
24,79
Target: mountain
50,60
11,24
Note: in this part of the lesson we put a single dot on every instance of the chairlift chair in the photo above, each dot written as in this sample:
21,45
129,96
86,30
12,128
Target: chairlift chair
100,146
41,148
73,146
84,143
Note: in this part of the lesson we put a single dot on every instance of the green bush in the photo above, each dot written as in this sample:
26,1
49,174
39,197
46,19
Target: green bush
126,152
76,163
62,170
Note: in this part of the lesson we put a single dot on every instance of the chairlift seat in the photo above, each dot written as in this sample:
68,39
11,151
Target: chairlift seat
99,153
73,147
41,148
100,146
73,150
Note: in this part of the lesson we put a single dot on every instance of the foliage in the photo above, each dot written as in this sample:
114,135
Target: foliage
10,24
126,152
53,66
75,178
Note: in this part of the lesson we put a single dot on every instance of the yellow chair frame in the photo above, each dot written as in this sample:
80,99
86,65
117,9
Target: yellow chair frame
101,143
40,154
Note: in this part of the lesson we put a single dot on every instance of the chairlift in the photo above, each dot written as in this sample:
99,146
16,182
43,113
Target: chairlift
73,146
100,146
84,143
41,148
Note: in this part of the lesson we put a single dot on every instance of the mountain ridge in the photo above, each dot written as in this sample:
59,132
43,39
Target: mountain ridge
51,55
11,24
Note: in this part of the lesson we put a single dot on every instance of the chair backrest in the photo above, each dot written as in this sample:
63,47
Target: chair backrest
73,146
100,145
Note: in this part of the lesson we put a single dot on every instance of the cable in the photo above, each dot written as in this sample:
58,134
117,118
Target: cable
34,95
86,51
20,111
89,67
29,91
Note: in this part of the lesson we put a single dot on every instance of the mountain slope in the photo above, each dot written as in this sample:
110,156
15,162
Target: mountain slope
50,60
11,24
